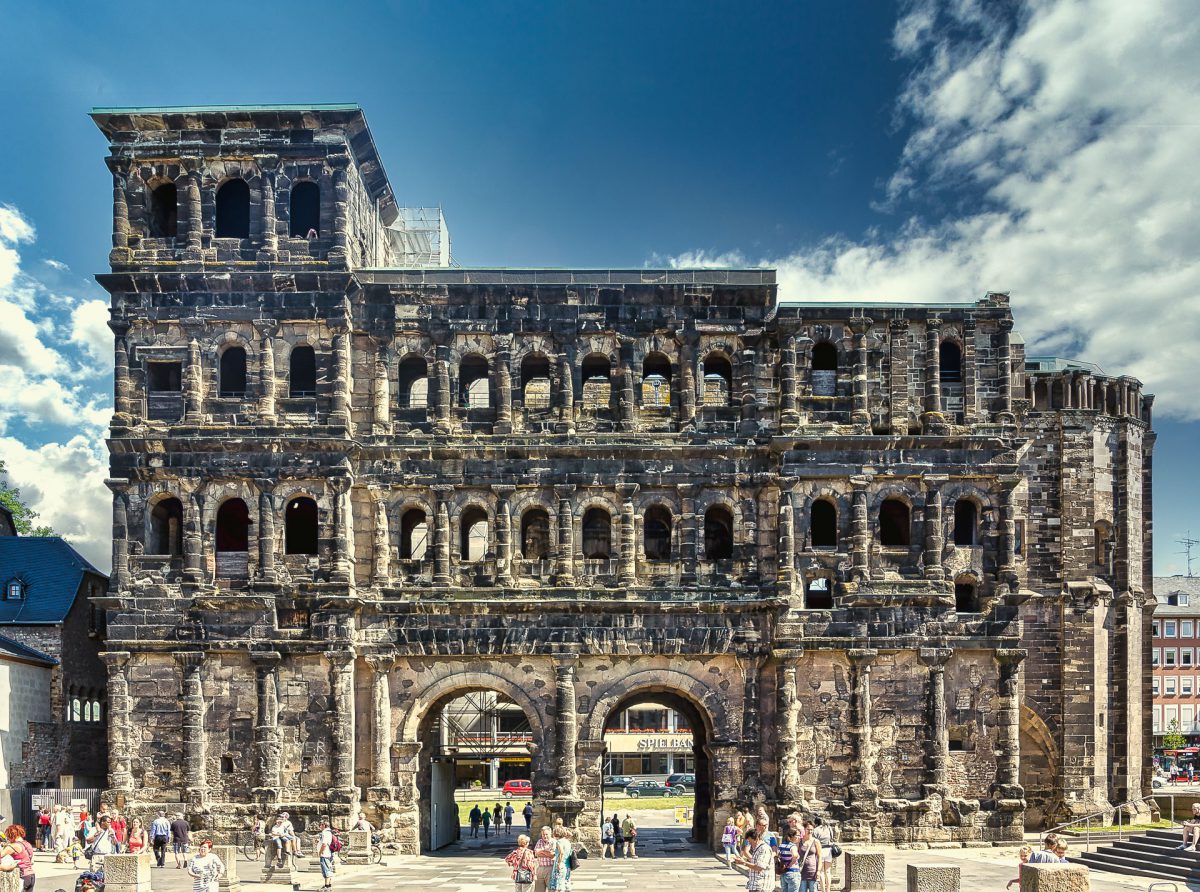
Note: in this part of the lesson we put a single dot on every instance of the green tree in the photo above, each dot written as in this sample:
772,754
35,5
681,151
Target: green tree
1174,739
23,515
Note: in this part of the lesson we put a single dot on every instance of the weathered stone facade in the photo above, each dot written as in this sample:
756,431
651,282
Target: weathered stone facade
819,531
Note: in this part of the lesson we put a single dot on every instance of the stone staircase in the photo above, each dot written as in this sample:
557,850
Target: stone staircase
1152,854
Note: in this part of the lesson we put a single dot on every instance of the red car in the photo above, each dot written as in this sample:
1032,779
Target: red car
522,789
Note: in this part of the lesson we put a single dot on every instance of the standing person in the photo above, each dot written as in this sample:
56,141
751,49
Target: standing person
476,817
509,811
137,837
1046,854
810,861
10,873
527,813
160,835
22,852
618,837
60,821
43,837
86,827
560,870
205,869
325,854
760,865
258,830
629,831
824,835
729,839
101,842
523,864
180,831
363,824
789,861
119,827
1022,858
487,822
498,817
543,852
606,837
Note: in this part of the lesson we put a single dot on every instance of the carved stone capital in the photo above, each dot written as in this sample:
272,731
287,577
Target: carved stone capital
936,658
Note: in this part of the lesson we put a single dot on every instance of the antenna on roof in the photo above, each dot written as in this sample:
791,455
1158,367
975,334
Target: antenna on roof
1188,544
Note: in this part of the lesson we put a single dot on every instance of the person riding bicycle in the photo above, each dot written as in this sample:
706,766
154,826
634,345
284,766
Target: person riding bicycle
283,834
258,830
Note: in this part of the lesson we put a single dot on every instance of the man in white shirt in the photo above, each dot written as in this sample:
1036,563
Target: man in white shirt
160,835
282,834
102,842
325,854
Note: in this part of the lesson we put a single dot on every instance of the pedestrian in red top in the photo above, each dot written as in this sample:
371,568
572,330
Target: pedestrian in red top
523,863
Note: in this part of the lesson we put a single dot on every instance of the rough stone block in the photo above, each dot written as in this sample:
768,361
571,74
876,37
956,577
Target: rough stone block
358,847
934,877
229,881
273,874
864,870
1054,878
128,873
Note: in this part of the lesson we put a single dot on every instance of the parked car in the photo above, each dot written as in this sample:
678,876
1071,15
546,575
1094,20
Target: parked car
522,789
617,781
682,782
650,788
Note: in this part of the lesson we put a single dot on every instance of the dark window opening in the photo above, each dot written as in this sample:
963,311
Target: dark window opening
824,369
233,210
474,385
302,372
597,381
718,380
1019,538
818,595
233,526
966,597
414,535
950,362
957,744
965,521
597,534
656,381
164,211
824,524
413,383
164,377
473,535
657,533
535,535
718,533
894,531
535,381
300,526
166,527
305,214
1101,539
227,765
233,372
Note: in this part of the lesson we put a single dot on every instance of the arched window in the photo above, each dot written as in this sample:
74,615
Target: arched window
656,533
656,380
718,533
233,526
87,710
718,380
597,381
233,372
166,527
966,595
300,531
824,369
474,385
302,372
535,381
535,535
305,214
823,520
894,527
164,211
414,535
818,594
1057,394
76,709
473,535
597,534
413,383
950,362
233,210
966,518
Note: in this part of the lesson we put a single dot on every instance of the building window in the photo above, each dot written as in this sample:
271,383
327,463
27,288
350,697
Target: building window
1154,656
1170,685
718,533
300,526
597,381
305,217
1155,686
1185,657
1186,717
473,535
164,377
76,710
1019,539
15,590
535,381
823,519
894,526
233,526
818,594
1170,629
1187,629
597,534
965,521
656,381
824,369
1169,657
164,211
414,535
950,362
966,595
166,528
474,385
233,210
657,533
233,372
302,372
1157,630
535,535
1185,685
1157,729
718,380
413,383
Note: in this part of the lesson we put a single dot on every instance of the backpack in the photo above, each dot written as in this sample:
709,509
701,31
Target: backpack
335,845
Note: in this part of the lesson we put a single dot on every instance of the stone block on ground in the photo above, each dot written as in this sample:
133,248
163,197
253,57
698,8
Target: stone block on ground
229,881
128,873
934,877
864,871
1054,878
358,847
272,873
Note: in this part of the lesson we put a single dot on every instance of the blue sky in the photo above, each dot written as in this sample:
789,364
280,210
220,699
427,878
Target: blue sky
925,151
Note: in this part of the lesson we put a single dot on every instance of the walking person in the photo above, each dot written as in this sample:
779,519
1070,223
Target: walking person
629,831
1023,854
258,830
509,811
102,842
618,837
564,853
523,864
180,832
729,839
205,869
527,813
498,817
137,837
543,853
325,854
760,865
60,821
823,833
487,822
476,817
160,835
606,837
789,861
22,852
43,831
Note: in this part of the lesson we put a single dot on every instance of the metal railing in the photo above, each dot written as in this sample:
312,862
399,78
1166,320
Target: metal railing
1119,813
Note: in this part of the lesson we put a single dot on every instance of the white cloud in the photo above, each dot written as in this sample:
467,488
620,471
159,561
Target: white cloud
14,229
90,331
21,342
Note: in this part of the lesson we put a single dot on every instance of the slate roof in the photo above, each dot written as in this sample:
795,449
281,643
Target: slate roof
1170,585
25,652
51,570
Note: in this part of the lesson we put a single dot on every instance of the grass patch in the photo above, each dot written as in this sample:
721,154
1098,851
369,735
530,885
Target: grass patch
1113,828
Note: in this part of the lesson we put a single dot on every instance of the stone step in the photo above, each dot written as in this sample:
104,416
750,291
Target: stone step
1152,854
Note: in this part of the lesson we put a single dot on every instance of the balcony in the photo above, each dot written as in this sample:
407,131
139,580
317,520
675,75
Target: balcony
415,570
164,406
233,565
542,569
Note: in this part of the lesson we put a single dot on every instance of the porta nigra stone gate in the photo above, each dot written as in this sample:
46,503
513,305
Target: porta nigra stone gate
893,570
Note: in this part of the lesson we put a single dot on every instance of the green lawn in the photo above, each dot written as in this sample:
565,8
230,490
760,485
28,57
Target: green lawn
1081,830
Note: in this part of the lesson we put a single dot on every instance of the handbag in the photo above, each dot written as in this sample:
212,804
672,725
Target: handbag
523,876
572,861
835,851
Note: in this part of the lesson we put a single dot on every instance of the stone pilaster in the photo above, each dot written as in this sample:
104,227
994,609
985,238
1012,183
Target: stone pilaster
267,385
787,718
504,392
266,529
340,404
786,571
970,377
860,414
565,572
441,536
341,664
381,394
898,401
934,537
687,385
194,233
933,421
1008,533
748,425
504,535
566,395
1008,720
862,771
566,725
195,768
689,528
381,722
267,743
120,225
339,253
119,580
267,167
627,573
193,534
441,403
789,417
625,400
343,531
860,537
937,747
193,385
122,404
381,546
120,758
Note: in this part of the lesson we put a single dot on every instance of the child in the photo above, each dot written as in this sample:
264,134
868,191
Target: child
1023,857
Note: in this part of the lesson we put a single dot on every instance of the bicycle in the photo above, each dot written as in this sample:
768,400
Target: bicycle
253,847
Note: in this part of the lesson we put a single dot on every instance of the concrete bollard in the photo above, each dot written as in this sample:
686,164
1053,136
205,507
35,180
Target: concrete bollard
228,881
1054,878
934,877
128,873
864,871
358,847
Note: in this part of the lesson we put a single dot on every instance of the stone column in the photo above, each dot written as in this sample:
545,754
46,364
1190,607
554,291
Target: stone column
267,165
120,751
748,424
627,573
266,371
119,581
786,571
504,535
441,536
937,747
625,396
566,725
687,386
267,742
1008,757
804,345
381,551
969,377
193,535
566,534
861,413
932,421
381,394
1008,528
343,531
934,538
898,376
441,406
123,411
566,395
788,721
789,417
193,385
193,253
689,528
340,404
342,684
862,770
120,229
860,536
339,253
266,529
1004,361
195,768
504,390
381,720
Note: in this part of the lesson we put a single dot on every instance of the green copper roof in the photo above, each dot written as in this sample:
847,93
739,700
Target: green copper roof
201,109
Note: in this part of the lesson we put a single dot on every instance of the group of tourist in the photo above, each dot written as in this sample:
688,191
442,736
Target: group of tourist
800,854
547,866
619,837
498,817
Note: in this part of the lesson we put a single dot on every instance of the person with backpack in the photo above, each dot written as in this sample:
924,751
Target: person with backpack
325,853
788,867
476,817
523,864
